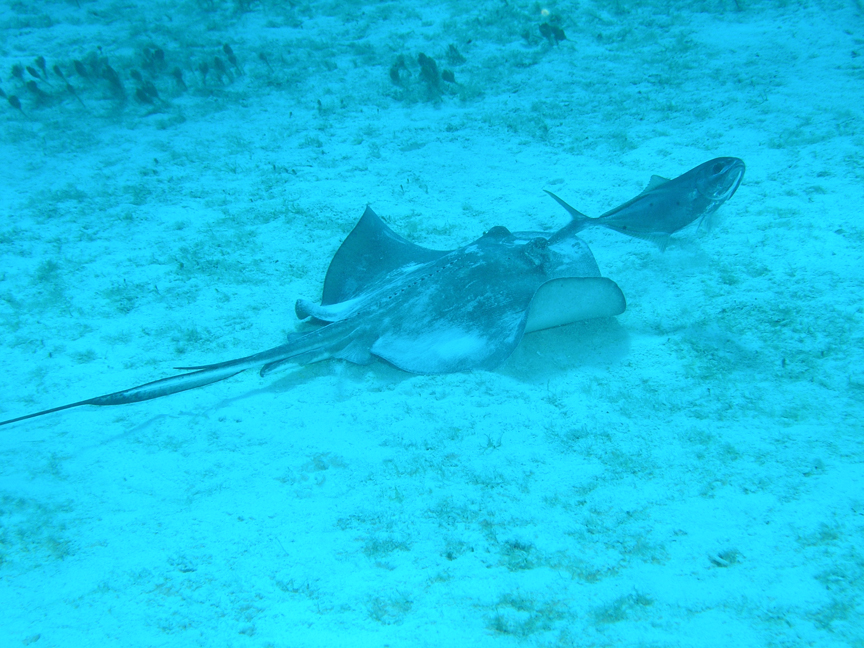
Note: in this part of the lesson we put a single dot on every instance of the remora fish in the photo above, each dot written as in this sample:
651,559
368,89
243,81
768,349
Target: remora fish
667,206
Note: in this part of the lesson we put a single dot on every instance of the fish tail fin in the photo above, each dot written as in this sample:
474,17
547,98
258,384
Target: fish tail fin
579,219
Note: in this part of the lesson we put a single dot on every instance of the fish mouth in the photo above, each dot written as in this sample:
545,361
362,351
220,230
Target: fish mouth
725,180
736,173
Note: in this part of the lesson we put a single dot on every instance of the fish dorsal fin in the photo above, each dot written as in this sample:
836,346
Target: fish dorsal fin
371,251
655,182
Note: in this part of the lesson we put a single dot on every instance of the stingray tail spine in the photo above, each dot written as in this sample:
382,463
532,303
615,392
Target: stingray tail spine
147,391
305,348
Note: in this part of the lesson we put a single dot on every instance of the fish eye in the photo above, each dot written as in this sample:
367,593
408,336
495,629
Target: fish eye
717,168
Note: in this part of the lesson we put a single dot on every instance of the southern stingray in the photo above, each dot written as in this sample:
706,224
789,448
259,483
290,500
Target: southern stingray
432,311
424,311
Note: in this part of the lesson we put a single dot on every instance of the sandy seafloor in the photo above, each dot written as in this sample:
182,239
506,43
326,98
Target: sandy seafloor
686,474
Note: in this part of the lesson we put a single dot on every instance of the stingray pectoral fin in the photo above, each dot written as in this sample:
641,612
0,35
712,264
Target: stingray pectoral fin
572,299
147,391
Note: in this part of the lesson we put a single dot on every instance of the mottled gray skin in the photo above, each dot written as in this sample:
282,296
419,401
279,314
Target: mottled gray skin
424,311
464,309
668,206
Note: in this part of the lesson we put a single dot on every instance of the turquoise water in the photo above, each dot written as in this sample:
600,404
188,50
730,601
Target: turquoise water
686,474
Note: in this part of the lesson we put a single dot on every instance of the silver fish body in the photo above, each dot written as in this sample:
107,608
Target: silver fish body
667,206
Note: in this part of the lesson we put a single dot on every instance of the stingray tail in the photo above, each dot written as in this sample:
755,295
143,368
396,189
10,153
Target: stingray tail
147,391
303,349
580,221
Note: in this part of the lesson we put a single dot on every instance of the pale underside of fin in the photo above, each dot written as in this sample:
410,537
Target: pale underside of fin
457,346
442,349
564,301
331,313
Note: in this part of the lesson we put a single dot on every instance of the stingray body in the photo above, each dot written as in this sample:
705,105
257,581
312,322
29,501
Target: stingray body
424,311
667,206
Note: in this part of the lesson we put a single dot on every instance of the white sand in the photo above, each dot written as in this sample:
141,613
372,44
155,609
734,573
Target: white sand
687,474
